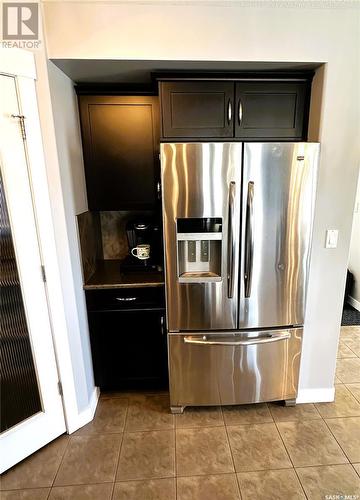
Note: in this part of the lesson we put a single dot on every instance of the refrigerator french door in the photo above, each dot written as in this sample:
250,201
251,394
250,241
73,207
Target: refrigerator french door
201,185
278,191
237,231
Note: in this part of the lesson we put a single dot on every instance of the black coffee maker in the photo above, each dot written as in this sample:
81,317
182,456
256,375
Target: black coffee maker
143,232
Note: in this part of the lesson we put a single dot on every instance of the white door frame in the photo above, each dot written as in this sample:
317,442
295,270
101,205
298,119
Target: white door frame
47,423
21,64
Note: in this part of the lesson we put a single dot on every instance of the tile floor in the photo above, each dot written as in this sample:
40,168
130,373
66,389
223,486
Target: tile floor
136,450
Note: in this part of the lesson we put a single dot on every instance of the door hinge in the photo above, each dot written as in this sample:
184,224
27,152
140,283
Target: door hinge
22,124
60,388
43,274
158,190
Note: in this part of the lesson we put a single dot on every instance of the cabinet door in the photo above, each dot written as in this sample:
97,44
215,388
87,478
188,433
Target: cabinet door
197,109
271,110
128,349
121,151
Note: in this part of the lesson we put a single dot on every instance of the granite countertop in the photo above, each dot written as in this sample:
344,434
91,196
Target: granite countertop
108,275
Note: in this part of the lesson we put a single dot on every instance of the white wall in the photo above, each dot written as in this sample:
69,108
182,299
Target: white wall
69,149
65,302
354,256
237,31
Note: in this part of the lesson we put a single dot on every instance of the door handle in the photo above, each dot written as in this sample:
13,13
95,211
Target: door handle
240,112
22,124
249,239
229,112
162,325
126,299
274,337
231,239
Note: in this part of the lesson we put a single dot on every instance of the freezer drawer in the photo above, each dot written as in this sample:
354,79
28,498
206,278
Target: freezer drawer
223,368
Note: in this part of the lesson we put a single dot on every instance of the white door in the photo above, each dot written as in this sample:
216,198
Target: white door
31,405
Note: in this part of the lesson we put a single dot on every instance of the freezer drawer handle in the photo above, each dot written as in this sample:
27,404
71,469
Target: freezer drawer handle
275,337
249,239
232,249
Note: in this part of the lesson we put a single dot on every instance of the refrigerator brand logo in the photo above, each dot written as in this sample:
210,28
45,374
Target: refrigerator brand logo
300,158
20,25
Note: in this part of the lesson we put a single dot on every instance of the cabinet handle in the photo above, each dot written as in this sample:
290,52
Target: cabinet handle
126,299
158,190
240,112
229,112
162,325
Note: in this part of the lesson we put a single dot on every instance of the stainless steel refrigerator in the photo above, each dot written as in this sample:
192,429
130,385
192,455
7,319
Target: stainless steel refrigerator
237,230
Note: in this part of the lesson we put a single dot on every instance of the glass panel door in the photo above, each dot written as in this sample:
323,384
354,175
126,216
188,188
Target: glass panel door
20,396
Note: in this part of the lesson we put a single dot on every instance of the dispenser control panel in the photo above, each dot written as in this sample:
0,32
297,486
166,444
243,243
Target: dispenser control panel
199,246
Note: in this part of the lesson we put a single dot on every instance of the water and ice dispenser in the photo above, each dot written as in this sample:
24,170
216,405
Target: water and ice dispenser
199,246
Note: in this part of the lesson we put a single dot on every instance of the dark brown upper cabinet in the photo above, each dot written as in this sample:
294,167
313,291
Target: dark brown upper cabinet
197,109
242,110
270,110
121,151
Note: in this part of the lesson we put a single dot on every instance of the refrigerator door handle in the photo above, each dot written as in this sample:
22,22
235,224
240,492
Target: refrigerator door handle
249,239
232,249
275,337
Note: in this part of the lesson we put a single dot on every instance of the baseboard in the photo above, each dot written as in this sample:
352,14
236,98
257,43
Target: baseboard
86,415
316,395
353,302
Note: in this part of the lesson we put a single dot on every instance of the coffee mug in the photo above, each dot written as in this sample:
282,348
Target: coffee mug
141,251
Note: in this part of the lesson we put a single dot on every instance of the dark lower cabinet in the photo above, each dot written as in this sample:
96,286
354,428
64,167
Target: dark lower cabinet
128,344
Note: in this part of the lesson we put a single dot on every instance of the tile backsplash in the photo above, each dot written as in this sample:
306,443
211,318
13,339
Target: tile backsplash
114,241
102,236
90,242
113,232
